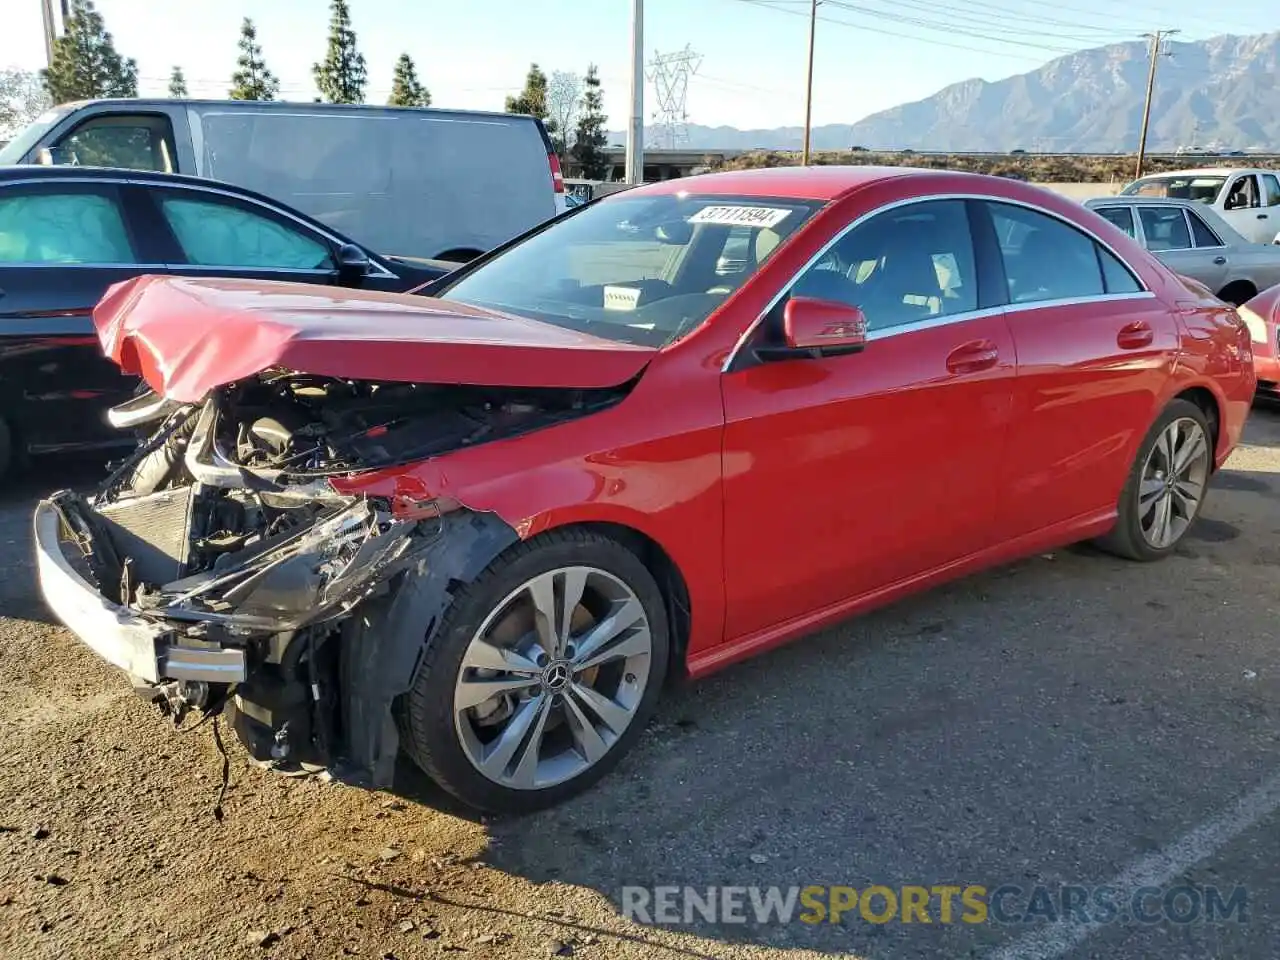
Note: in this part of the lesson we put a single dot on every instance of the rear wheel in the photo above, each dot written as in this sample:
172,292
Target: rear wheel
542,675
1166,487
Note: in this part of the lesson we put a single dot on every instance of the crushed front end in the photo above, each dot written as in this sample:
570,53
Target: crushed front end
221,568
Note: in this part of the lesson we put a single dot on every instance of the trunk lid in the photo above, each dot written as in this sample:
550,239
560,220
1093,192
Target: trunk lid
186,336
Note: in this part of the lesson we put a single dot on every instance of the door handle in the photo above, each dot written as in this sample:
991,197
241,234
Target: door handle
973,356
1219,260
1262,216
1133,336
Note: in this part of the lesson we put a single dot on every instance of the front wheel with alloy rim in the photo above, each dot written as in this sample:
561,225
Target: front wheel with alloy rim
1166,487
542,674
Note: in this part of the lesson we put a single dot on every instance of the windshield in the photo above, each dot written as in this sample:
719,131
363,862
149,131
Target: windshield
1201,189
639,269
30,135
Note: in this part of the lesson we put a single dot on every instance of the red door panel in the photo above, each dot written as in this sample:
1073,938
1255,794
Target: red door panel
1089,378
844,474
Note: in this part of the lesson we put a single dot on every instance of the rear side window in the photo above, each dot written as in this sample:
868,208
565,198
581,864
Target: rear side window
63,227
1271,189
1115,274
1044,258
1165,228
1202,233
1122,217
214,233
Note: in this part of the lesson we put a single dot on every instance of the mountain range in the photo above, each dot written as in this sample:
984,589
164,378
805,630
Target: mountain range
1224,91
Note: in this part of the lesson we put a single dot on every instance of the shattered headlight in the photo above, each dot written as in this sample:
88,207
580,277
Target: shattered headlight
308,576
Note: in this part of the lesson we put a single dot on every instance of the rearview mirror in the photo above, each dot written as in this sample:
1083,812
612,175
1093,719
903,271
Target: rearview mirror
824,326
353,264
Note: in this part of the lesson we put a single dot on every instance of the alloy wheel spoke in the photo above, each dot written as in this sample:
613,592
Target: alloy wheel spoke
1189,452
482,655
542,592
473,691
616,717
1148,491
1162,520
1168,443
609,639
585,736
522,739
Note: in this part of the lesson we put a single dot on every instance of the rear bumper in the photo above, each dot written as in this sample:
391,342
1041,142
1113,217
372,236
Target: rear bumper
147,650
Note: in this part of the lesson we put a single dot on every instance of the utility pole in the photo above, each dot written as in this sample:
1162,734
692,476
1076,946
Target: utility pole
50,31
635,132
808,96
1156,39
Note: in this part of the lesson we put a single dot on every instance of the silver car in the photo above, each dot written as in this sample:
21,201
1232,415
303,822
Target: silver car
1194,241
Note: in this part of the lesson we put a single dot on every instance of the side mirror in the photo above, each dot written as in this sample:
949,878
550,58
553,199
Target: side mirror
353,265
825,326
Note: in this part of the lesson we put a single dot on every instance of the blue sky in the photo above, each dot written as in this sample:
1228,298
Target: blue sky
871,54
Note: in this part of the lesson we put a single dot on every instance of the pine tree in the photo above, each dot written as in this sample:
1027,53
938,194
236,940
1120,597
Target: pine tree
252,80
533,98
406,89
341,76
178,84
590,139
85,62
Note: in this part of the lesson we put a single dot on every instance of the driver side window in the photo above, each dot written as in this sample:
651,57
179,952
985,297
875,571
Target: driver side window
218,233
1244,193
901,266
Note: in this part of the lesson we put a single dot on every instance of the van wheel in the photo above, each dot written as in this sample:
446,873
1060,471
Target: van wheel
1166,487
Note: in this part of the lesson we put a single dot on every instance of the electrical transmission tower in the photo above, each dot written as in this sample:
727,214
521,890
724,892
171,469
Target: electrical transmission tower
669,73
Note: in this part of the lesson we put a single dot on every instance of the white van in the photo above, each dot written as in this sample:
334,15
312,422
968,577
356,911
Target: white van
436,184
1248,199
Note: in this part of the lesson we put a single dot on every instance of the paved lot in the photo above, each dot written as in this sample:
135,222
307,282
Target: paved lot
1073,719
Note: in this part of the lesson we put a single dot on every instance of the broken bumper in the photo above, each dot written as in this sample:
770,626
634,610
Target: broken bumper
147,650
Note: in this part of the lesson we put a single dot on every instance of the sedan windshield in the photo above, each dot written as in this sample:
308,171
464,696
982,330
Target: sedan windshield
638,269
1200,189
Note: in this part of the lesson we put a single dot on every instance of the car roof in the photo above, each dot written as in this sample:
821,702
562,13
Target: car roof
1204,172
31,171
822,183
282,106
1144,201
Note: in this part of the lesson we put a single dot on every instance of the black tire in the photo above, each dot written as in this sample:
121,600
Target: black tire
1126,538
425,717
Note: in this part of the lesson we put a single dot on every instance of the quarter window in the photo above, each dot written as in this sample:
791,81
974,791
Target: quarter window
1122,217
65,227
1201,232
1165,228
213,233
901,266
1044,258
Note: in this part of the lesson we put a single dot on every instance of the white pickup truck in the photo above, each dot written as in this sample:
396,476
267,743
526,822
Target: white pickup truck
1247,198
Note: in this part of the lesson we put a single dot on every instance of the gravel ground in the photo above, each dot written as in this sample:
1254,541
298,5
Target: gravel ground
1072,719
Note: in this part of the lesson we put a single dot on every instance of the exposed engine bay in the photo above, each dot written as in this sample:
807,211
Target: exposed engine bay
224,527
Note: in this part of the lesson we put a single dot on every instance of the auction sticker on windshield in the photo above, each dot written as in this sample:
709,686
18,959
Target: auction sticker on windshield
765,217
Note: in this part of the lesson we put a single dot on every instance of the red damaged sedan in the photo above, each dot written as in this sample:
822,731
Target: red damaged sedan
667,431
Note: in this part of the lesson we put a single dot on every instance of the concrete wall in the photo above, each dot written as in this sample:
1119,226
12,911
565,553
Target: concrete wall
1083,191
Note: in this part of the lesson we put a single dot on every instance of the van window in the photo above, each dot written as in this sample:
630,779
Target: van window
217,234
131,142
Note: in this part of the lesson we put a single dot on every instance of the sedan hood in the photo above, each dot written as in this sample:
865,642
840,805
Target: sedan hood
186,336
